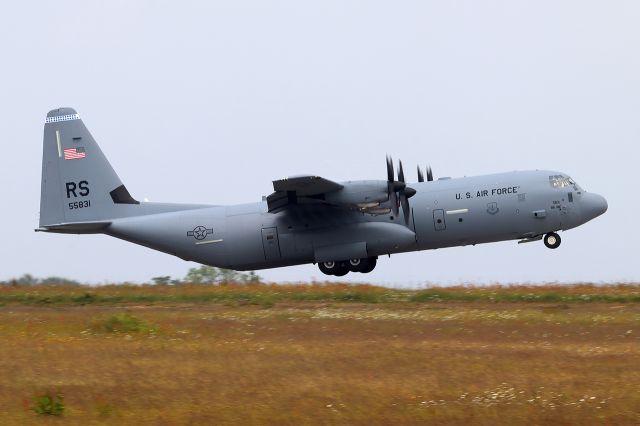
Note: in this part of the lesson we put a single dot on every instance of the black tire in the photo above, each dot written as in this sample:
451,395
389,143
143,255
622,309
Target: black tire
552,240
328,268
368,265
337,269
342,268
355,265
342,272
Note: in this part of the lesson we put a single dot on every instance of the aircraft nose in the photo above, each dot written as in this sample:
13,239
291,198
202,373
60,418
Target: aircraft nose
593,205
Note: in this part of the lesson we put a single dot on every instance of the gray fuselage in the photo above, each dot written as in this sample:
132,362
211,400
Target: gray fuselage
444,213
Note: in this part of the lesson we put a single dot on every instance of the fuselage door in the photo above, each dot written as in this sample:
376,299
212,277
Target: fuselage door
270,244
438,220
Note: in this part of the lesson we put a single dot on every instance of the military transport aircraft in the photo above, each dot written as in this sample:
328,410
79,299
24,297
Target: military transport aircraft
341,226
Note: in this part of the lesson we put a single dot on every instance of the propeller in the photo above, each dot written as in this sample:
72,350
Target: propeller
429,174
404,194
392,186
399,192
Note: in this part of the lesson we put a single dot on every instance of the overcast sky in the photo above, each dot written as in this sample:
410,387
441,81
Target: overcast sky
210,101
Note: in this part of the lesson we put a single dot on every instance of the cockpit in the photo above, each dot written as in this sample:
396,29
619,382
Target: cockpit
575,205
561,181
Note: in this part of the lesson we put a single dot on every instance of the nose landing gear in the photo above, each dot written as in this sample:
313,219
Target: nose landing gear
552,240
341,268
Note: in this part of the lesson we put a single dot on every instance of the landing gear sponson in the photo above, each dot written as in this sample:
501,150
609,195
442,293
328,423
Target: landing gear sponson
340,268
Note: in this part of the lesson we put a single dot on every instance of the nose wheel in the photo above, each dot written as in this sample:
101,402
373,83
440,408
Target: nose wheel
552,240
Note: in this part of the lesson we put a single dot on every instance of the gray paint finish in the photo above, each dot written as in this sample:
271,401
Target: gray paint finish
315,220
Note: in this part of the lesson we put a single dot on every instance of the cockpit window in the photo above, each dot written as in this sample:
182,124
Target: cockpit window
560,181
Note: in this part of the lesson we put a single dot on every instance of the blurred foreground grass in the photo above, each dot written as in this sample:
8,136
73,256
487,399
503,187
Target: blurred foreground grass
322,354
319,292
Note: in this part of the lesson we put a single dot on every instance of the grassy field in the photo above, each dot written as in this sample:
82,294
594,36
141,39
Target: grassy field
321,354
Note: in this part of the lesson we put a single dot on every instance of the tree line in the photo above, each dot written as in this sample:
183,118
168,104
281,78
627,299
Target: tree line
202,274
210,275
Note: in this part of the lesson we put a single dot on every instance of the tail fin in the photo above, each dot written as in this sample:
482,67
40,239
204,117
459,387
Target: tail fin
78,183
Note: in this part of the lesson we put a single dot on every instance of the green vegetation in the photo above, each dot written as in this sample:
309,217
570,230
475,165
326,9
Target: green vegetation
548,294
211,275
203,274
49,404
268,294
123,323
28,279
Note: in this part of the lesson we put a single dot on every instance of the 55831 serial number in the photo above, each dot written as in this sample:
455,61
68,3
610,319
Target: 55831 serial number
80,204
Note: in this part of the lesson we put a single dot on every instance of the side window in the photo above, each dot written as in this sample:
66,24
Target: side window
570,196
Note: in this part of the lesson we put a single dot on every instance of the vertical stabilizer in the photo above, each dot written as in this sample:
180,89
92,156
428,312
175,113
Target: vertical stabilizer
78,183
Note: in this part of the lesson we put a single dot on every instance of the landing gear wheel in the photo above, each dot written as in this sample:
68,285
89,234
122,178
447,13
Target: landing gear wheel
552,240
334,268
367,265
342,269
327,268
355,265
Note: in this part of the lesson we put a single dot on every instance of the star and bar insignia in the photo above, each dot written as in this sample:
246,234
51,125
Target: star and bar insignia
200,232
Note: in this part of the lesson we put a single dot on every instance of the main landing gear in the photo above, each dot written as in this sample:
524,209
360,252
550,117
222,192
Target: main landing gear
552,240
340,268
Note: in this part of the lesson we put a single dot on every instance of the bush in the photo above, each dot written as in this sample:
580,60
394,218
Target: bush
30,280
203,275
49,404
59,281
125,323
162,280
212,275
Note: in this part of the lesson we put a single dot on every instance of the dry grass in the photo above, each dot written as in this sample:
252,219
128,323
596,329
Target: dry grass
317,292
328,362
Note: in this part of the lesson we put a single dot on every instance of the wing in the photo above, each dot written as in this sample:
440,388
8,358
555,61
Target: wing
364,196
300,190
306,186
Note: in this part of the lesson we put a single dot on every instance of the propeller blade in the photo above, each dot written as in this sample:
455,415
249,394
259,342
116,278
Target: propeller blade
420,175
429,174
398,191
392,186
393,198
405,207
389,169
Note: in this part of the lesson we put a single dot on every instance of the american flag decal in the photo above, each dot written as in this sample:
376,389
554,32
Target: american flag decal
74,153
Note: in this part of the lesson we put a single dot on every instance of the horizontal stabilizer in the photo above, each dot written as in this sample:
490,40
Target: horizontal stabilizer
76,228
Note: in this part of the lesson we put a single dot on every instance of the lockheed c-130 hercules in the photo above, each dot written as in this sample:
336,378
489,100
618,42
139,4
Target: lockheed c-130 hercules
341,226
